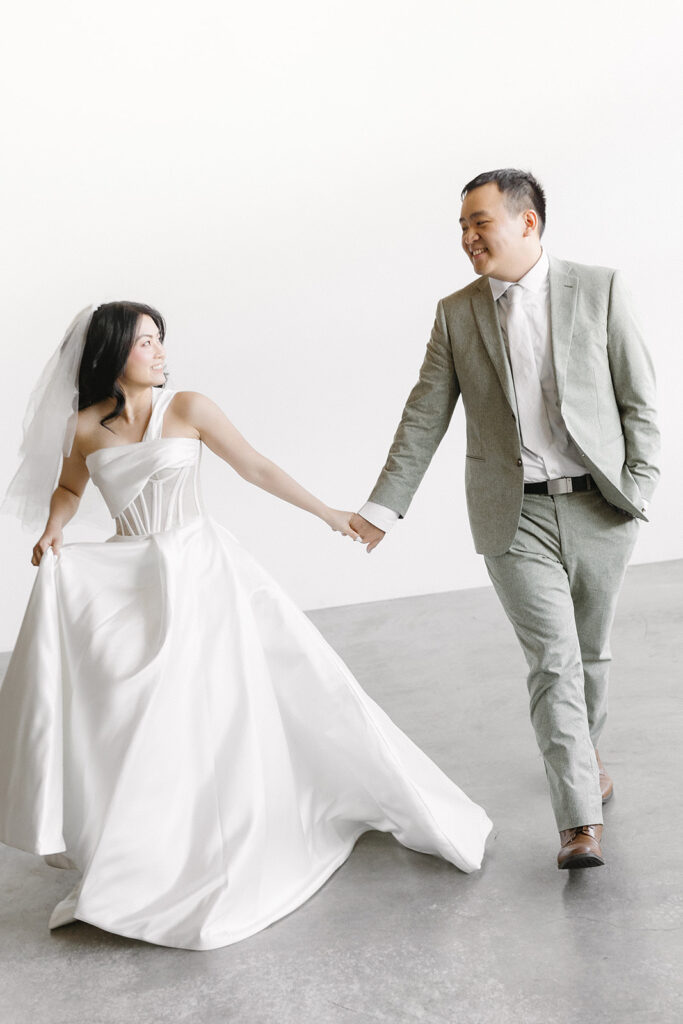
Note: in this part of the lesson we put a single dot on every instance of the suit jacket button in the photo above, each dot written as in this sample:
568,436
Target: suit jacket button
519,462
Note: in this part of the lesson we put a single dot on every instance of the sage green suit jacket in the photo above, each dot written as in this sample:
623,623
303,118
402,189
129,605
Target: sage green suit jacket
605,382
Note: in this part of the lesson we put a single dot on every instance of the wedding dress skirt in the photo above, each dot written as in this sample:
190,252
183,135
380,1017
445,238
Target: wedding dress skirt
180,731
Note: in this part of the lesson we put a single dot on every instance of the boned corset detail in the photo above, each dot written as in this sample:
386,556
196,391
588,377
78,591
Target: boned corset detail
170,498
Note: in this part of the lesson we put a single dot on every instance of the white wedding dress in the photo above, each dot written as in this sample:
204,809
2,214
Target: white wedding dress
180,731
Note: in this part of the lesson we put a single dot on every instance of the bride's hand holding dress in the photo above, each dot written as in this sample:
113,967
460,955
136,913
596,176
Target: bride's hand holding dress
63,506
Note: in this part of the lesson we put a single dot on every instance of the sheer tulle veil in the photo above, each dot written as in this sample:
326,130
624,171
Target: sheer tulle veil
49,428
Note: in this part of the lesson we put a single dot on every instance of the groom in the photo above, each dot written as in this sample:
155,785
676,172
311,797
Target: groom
558,390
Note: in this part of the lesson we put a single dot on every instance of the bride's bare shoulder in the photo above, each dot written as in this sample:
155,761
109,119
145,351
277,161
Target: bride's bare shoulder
90,418
188,400
89,426
191,405
184,414
196,410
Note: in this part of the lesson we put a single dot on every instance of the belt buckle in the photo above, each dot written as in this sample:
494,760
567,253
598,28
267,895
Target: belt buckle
561,486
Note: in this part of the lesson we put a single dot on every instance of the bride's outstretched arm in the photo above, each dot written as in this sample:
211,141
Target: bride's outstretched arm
219,434
63,504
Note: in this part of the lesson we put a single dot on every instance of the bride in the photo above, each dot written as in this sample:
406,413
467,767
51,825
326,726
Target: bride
170,723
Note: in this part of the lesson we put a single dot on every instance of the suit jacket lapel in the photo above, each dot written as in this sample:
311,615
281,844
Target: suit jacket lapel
488,323
564,289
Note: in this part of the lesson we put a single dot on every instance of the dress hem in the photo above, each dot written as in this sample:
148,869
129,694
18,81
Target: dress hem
252,929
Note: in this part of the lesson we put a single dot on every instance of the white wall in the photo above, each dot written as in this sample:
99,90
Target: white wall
282,181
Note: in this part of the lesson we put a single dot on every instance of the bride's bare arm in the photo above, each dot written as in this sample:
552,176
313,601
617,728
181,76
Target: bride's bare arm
219,434
63,504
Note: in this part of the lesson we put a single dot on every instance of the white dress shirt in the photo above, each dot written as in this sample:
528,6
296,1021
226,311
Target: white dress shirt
561,456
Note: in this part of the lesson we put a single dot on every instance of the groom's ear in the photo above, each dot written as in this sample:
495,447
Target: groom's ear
531,224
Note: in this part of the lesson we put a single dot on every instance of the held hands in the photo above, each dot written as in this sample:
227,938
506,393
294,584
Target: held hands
369,534
350,524
339,522
50,539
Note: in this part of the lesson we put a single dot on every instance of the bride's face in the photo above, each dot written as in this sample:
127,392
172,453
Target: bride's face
145,364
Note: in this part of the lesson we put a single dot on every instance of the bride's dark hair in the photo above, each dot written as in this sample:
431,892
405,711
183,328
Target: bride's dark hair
108,344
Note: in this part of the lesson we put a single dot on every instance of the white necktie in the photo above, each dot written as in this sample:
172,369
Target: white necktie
533,418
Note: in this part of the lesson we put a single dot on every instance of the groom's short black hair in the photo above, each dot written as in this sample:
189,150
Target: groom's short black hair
520,188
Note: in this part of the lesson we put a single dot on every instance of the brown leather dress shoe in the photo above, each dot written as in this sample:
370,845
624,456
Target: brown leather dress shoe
606,785
580,847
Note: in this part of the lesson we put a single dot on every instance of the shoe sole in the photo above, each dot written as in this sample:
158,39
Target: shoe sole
588,860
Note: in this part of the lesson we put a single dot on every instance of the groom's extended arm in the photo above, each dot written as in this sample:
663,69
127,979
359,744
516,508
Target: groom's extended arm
425,420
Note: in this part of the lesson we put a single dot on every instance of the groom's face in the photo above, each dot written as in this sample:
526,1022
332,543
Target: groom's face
494,238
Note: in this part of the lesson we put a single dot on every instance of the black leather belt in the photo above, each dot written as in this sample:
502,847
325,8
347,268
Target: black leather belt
565,485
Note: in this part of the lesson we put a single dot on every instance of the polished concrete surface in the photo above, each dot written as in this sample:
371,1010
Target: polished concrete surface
400,937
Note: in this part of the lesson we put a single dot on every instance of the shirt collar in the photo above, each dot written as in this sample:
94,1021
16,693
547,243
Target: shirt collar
534,279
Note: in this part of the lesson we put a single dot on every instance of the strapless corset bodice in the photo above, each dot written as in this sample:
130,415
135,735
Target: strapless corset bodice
151,485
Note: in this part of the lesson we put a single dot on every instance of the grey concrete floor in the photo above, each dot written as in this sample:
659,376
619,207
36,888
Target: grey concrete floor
397,936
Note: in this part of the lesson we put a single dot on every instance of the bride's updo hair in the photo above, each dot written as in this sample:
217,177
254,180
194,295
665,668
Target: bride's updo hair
108,344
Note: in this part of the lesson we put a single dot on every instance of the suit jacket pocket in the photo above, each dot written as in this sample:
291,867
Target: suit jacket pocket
477,458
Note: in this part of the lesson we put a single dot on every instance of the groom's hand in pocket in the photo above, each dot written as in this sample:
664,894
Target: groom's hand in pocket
369,534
